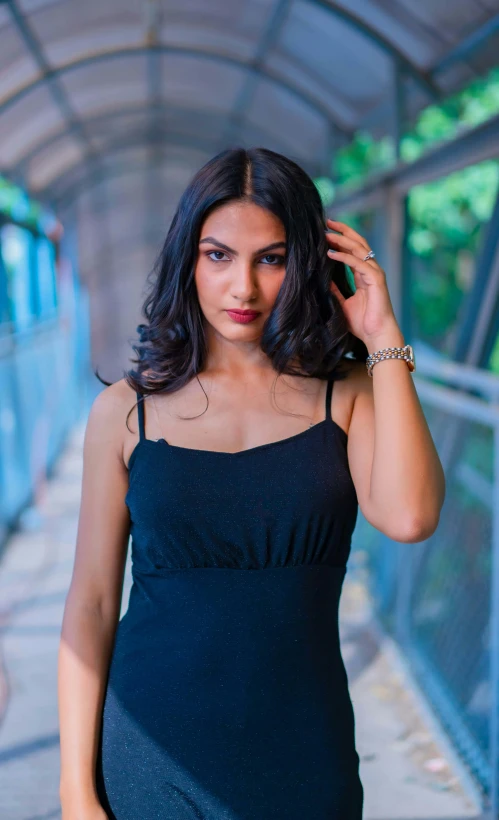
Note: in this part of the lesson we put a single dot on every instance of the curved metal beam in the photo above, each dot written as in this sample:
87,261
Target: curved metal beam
255,68
94,178
423,79
119,146
55,193
133,139
98,119
468,45
313,102
96,175
272,29
55,88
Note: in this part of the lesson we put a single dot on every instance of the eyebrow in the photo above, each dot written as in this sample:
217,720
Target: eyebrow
212,241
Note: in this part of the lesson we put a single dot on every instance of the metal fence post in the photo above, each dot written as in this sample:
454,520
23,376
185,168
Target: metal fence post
494,640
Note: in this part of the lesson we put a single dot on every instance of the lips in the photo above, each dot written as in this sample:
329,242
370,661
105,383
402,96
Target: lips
245,312
243,316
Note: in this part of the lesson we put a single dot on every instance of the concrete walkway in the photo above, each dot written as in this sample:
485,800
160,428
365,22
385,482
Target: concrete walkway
406,775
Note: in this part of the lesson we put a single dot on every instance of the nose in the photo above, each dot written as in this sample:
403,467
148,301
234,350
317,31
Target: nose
244,286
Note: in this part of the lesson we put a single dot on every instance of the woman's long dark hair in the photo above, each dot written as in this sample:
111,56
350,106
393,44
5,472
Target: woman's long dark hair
306,332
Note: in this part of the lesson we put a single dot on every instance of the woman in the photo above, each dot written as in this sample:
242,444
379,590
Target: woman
221,693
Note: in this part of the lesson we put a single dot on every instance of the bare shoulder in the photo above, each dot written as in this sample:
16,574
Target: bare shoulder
112,401
108,415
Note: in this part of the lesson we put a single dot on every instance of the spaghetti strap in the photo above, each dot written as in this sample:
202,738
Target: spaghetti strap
329,391
140,411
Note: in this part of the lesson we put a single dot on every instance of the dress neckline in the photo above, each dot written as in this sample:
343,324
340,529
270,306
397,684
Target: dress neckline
327,421
238,453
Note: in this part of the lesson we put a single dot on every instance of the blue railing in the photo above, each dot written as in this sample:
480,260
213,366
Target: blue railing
44,374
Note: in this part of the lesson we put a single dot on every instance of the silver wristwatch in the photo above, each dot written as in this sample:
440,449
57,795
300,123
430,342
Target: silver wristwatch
406,353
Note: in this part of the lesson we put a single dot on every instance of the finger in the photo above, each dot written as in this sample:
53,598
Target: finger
346,230
347,244
353,260
358,280
355,263
337,293
347,241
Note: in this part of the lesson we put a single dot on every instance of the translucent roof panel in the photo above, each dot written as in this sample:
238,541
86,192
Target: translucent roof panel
104,85
69,29
23,123
52,162
323,45
286,120
103,92
17,66
201,83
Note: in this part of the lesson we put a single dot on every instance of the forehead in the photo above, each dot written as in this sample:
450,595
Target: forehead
245,218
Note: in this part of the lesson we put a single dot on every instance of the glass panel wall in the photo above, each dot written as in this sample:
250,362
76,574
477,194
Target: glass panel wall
46,278
16,247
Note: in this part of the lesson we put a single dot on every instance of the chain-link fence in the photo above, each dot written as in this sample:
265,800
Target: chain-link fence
440,598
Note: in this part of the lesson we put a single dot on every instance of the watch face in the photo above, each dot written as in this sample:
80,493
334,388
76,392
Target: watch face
413,357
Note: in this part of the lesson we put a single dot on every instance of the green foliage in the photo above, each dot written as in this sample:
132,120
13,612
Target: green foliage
494,358
326,189
363,155
446,221
446,216
468,108
17,206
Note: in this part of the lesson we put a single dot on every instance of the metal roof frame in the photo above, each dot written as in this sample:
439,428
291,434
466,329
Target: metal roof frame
255,68
58,192
65,197
99,164
471,146
423,79
470,44
312,102
109,115
51,79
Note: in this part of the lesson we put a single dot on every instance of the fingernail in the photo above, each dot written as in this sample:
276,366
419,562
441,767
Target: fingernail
331,251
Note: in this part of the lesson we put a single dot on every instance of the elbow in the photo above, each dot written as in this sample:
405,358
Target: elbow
416,528
405,524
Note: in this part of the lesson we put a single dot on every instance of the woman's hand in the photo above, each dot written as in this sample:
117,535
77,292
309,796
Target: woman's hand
369,312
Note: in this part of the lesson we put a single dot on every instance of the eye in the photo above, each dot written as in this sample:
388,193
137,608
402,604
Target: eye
210,255
279,260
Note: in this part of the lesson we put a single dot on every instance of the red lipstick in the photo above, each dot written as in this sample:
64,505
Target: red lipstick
243,316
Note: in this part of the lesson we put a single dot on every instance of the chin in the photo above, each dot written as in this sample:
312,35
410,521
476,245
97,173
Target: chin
245,333
233,332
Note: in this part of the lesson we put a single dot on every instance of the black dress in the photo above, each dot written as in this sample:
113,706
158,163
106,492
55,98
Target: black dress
227,697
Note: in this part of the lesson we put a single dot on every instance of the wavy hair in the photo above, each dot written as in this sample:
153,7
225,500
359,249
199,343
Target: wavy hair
305,333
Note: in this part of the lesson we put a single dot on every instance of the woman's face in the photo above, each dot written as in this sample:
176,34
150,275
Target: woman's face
240,267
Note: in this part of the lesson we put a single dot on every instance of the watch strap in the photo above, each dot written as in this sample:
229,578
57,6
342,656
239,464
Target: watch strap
405,353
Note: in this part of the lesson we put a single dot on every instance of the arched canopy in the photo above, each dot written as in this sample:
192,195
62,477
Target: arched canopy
287,73
102,98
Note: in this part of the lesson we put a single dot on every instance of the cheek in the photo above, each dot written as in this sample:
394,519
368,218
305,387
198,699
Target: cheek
207,285
270,286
